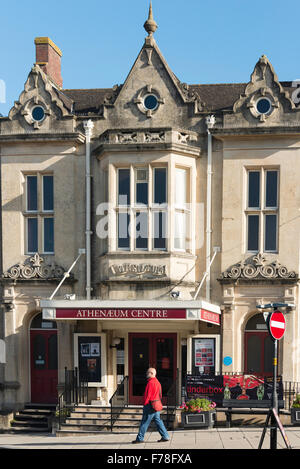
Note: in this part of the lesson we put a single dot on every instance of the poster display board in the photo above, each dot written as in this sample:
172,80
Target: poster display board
203,355
239,390
89,358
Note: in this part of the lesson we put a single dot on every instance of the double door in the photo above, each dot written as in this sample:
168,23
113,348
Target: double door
155,350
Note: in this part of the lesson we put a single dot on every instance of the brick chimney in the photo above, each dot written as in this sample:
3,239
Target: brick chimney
48,57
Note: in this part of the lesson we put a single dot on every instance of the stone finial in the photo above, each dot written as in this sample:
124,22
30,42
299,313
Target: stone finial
150,25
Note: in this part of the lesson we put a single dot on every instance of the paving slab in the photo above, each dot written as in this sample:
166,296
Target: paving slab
219,438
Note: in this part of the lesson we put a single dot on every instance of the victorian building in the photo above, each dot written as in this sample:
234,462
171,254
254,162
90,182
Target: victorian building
164,212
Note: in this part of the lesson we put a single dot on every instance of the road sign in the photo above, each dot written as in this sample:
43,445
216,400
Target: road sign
276,325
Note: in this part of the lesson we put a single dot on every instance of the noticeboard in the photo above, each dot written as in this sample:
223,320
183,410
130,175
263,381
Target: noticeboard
89,358
239,390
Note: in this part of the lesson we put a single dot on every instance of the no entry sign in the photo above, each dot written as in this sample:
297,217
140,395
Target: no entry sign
276,325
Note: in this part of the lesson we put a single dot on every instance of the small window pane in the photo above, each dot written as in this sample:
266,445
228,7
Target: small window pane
47,192
48,234
160,230
271,232
123,230
32,235
160,185
181,187
124,187
52,352
253,232
39,352
141,230
253,189
32,193
180,231
271,189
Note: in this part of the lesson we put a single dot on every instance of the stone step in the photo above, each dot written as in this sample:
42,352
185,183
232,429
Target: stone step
98,428
29,424
47,407
97,422
66,432
30,417
96,415
14,430
37,411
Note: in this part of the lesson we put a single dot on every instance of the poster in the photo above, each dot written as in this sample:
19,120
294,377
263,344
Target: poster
85,350
204,355
95,349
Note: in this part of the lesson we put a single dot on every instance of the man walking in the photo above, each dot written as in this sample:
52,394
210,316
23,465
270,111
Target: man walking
152,393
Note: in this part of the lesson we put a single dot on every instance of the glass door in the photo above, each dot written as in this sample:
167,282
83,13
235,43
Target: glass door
151,350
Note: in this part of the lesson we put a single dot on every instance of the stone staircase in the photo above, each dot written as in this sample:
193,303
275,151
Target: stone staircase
92,420
34,418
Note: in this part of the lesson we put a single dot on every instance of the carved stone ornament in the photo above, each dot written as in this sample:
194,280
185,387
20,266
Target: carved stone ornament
256,267
138,270
263,83
139,101
38,84
32,268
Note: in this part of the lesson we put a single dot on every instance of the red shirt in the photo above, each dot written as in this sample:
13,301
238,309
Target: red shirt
152,391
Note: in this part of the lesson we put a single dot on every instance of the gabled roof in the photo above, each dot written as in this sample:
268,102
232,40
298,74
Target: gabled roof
215,97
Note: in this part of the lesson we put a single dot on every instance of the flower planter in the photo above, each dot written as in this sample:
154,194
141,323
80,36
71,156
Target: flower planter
295,415
204,419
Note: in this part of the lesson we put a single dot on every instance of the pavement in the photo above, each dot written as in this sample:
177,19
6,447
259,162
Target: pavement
217,438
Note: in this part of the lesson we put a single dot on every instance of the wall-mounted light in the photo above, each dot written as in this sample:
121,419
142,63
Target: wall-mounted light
183,341
116,341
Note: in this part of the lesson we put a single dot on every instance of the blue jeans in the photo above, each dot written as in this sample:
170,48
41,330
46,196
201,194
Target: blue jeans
149,414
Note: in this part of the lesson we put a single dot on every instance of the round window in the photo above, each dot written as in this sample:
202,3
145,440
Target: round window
150,102
263,106
38,113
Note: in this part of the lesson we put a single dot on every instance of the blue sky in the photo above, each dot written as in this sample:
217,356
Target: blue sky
203,42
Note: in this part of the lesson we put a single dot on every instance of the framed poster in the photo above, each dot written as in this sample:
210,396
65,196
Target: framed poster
90,357
203,354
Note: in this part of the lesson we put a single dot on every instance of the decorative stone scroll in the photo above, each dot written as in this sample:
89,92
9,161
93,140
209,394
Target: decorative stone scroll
256,267
138,270
32,268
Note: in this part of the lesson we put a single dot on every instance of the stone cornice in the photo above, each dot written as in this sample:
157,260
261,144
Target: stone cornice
253,131
77,137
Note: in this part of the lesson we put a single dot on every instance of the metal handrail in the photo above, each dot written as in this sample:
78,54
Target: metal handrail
75,392
124,385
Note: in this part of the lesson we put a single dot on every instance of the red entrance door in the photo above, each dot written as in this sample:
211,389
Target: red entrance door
43,346
258,353
151,350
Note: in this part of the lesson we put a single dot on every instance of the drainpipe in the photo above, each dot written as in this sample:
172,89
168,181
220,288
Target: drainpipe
88,127
2,305
210,121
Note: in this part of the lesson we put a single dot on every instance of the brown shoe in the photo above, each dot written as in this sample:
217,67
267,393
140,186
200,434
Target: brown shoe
162,440
134,442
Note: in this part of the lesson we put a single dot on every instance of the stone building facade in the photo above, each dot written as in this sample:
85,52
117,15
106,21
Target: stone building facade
191,221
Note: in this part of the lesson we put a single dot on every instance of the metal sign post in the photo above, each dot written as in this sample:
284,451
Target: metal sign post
276,326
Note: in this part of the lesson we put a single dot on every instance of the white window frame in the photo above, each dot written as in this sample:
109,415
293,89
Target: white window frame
262,210
134,207
39,214
185,210
103,382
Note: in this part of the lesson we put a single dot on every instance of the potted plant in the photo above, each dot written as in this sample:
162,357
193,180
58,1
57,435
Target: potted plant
198,413
295,410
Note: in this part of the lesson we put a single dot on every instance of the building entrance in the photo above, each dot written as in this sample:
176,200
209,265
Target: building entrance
157,350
